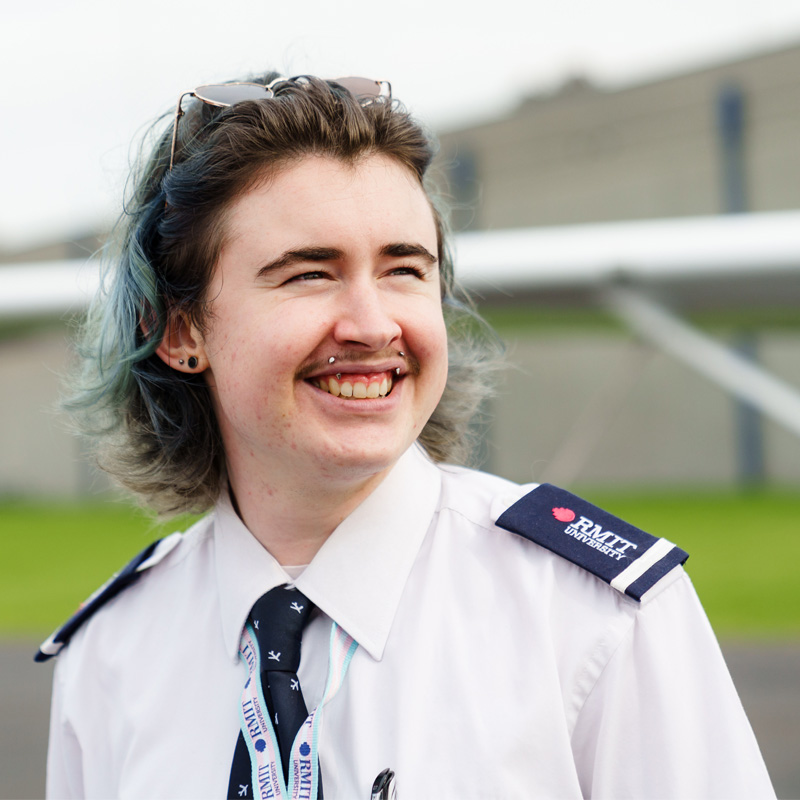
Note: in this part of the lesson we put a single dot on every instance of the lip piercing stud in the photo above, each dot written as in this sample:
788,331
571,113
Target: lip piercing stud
338,376
401,354
192,362
180,361
331,359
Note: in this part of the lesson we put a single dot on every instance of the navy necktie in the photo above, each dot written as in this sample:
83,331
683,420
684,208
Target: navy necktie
278,618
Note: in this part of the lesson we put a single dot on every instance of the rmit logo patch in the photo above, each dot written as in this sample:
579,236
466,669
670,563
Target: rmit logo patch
564,514
591,534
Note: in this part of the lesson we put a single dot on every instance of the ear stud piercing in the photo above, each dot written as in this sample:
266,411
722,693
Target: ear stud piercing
192,362
180,361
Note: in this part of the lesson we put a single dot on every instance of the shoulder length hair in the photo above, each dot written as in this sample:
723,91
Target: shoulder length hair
152,428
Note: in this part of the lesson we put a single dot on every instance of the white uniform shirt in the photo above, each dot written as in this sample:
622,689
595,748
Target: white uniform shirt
487,666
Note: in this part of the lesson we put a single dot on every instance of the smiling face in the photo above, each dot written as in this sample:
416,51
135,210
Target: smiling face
326,260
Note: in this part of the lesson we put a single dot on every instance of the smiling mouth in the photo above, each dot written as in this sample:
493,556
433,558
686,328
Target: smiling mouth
355,386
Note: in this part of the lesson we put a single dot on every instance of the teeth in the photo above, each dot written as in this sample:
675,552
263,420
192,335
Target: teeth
357,390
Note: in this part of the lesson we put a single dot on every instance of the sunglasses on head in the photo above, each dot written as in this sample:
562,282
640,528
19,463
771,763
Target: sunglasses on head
223,95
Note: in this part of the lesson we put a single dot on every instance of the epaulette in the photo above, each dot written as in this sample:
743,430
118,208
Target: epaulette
627,558
127,576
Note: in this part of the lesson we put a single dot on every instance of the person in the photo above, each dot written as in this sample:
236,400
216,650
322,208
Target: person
282,342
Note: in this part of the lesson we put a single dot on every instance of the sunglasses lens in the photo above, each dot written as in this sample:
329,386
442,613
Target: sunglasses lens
226,94
363,88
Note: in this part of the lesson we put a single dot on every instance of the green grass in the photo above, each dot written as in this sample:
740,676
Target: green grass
744,548
52,557
744,552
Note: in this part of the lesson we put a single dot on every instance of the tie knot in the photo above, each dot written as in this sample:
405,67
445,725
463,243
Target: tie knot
278,618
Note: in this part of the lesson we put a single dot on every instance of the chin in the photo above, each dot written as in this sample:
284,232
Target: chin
351,463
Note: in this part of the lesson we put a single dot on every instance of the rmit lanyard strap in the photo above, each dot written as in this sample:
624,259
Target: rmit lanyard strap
269,782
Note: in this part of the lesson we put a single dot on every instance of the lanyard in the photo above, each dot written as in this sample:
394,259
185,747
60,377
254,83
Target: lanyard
268,779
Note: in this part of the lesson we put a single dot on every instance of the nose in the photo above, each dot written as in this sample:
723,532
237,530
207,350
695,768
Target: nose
364,318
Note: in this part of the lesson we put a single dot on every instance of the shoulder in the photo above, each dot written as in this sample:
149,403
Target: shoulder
156,559
622,555
477,496
573,530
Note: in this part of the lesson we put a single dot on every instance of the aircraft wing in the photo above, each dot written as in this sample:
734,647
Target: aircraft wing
734,260
46,288
750,259
641,271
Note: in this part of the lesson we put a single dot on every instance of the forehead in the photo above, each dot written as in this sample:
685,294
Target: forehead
322,200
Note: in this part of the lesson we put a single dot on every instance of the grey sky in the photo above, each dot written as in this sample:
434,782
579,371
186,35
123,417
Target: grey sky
82,77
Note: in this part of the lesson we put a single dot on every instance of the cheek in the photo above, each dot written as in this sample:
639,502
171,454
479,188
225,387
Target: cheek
430,348
440,350
239,372
434,333
256,365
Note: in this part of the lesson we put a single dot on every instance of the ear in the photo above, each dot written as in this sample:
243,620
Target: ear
182,341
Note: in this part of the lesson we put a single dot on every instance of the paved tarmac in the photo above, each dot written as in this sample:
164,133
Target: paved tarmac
767,676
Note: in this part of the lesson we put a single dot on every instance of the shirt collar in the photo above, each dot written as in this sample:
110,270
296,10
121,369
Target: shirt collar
245,571
357,577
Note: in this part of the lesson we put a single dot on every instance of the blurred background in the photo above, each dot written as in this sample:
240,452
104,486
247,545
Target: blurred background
624,185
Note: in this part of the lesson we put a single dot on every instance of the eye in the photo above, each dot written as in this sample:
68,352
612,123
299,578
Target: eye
306,276
409,270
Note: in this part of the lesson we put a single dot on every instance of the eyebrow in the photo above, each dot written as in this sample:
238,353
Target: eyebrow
401,249
318,254
301,254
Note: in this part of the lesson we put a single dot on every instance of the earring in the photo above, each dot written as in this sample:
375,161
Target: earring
180,361
192,362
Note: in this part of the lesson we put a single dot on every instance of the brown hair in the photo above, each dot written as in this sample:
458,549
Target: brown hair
154,428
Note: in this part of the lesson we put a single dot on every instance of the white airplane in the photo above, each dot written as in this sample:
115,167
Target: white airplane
642,271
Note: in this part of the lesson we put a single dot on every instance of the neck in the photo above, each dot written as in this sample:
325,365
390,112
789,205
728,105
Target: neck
293,522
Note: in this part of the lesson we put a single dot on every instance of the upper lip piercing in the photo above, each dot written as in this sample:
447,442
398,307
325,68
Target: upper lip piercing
356,366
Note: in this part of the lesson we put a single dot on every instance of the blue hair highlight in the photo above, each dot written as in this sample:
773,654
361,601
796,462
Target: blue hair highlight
153,428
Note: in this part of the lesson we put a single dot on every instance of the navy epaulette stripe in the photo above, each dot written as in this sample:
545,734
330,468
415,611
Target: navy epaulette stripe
124,578
674,558
624,556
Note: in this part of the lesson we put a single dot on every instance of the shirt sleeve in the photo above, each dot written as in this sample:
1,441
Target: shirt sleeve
64,759
663,719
